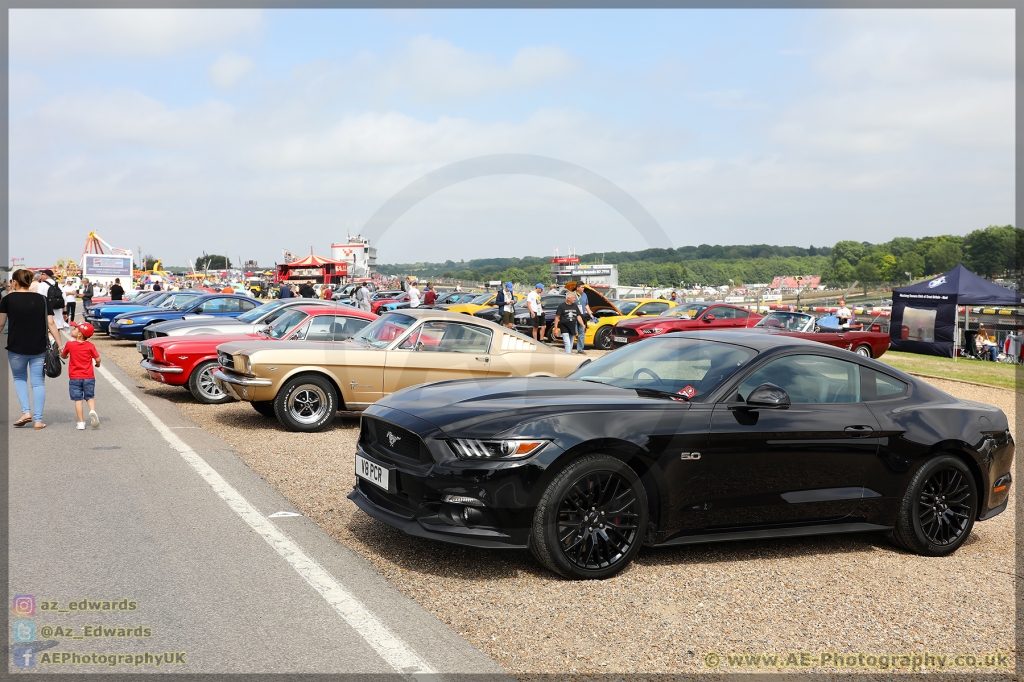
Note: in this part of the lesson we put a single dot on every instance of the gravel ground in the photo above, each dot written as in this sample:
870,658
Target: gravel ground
664,613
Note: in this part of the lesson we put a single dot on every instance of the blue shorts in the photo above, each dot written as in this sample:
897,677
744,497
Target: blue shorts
82,389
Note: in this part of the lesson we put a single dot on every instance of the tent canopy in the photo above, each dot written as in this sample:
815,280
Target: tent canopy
962,287
312,261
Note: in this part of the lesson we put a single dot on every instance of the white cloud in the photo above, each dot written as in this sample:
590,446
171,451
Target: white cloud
230,68
51,34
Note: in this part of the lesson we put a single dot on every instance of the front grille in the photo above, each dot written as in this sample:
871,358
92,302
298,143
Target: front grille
624,332
150,334
225,360
393,443
147,351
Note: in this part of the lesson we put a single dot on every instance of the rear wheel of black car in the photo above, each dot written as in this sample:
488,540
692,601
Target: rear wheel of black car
864,350
938,509
306,403
590,521
203,387
264,407
603,338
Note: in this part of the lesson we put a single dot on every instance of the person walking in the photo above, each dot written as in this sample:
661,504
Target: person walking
70,302
363,297
116,290
843,315
48,287
536,312
507,306
81,379
414,294
458,286
567,320
306,290
31,324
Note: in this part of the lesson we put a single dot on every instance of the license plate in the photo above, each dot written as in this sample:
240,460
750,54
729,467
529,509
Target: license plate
374,473
619,339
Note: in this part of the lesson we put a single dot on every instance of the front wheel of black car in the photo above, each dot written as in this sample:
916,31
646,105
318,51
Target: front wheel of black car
590,521
306,403
938,509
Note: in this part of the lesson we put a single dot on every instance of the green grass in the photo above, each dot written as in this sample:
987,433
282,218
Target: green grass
991,373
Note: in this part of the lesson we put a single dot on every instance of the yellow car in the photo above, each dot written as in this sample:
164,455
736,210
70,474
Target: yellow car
479,303
599,334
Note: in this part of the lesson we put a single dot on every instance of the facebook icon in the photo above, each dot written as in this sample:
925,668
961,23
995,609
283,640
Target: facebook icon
24,656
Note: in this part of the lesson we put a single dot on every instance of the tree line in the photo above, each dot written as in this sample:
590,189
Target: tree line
992,251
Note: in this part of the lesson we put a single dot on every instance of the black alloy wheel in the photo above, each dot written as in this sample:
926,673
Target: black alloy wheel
938,509
203,386
306,403
591,519
603,338
264,407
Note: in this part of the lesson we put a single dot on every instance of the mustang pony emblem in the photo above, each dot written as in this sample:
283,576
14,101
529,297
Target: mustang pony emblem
392,438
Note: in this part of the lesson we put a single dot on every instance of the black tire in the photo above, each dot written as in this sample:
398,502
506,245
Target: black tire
577,544
203,387
551,334
864,350
603,338
264,407
938,508
306,403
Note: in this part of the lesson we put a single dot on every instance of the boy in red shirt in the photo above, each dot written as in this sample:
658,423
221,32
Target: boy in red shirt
82,381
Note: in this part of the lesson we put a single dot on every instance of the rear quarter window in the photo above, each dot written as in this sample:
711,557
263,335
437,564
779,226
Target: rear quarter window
878,386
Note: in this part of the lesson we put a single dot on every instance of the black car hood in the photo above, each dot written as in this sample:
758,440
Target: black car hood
486,407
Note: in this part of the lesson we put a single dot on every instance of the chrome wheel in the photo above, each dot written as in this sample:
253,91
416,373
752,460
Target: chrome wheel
863,350
207,386
308,404
203,386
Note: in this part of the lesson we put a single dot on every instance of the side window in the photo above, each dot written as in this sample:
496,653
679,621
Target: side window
300,333
448,337
878,386
215,305
320,328
809,379
724,313
232,305
347,327
245,306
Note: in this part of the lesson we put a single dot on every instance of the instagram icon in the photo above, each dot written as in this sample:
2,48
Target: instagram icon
24,605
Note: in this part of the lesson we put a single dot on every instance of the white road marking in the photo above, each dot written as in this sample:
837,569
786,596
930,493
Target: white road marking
281,515
391,648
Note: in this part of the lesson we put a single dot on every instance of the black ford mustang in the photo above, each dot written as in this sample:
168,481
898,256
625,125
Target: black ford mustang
684,439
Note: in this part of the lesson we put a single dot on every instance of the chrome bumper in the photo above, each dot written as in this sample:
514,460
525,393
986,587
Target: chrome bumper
228,382
149,366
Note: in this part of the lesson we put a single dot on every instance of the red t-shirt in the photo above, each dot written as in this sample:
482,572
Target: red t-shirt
80,355
429,297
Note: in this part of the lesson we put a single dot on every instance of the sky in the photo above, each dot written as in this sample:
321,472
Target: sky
246,132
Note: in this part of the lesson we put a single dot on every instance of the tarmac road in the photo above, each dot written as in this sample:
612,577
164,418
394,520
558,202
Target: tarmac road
152,511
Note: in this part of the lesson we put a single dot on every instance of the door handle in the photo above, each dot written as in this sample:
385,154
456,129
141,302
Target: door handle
858,431
484,359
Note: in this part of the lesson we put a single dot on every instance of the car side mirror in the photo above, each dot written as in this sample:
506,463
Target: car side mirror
709,318
640,313
768,396
198,311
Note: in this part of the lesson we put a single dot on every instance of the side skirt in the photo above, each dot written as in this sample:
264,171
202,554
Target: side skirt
824,529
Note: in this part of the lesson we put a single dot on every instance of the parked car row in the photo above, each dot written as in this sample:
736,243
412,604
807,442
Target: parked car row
721,424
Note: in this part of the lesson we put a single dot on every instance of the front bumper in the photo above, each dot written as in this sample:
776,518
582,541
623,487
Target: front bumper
165,374
629,339
121,332
237,386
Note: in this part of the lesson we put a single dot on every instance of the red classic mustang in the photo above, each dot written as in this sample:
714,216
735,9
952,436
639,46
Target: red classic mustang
683,318
188,360
870,344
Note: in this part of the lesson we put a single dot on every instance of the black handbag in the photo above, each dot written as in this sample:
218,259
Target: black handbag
52,365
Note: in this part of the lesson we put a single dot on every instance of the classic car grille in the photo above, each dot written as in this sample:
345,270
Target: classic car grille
150,334
225,360
147,351
393,443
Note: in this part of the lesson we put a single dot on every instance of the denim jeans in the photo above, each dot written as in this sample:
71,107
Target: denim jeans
567,340
581,334
992,352
21,367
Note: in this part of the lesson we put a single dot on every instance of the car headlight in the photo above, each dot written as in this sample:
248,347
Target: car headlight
245,365
126,321
466,448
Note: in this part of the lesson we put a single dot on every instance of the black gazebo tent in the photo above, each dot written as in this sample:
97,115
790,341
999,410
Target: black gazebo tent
924,314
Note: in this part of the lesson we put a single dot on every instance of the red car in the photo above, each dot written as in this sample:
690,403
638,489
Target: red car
188,360
375,304
683,318
870,344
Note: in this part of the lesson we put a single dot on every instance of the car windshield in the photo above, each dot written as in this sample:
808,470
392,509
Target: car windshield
689,367
286,324
626,307
384,329
179,301
791,321
687,312
259,311
480,300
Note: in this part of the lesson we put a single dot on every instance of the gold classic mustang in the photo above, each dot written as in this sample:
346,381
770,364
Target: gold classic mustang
303,384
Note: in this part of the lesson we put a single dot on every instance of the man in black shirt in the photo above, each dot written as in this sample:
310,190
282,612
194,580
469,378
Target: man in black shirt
116,291
306,290
566,320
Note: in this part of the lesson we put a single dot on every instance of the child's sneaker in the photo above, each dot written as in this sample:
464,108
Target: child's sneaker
94,419
81,426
